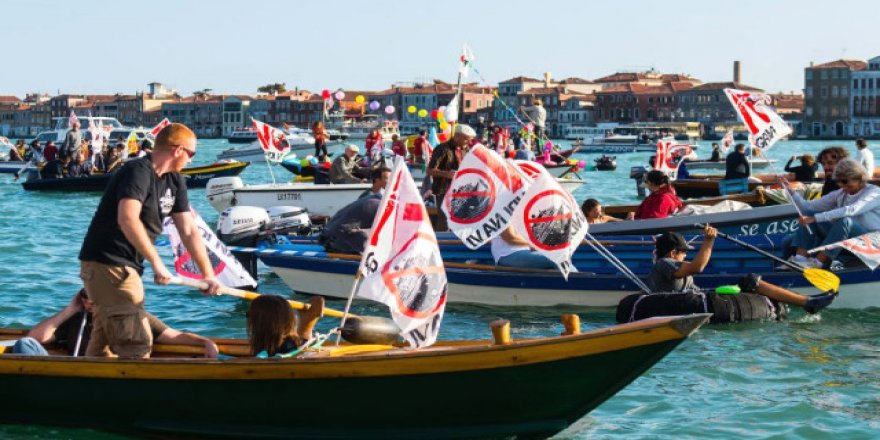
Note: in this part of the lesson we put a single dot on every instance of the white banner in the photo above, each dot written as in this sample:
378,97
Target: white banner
726,141
764,125
866,247
402,267
227,268
98,134
551,220
531,169
482,197
272,140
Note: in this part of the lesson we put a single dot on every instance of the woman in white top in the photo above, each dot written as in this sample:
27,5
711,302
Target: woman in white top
850,211
512,250
866,157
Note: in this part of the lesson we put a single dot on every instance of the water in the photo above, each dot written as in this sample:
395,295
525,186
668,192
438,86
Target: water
809,377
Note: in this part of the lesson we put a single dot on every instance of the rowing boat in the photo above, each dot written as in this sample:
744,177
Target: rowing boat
530,388
196,177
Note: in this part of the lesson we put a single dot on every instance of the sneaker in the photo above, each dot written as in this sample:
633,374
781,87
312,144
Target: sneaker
836,266
796,259
815,303
812,262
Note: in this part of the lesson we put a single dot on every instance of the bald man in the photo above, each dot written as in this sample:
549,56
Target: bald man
129,217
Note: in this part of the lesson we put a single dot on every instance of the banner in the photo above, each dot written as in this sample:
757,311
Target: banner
164,123
466,59
727,141
227,268
98,134
531,169
482,197
272,140
866,247
551,220
764,125
72,119
401,266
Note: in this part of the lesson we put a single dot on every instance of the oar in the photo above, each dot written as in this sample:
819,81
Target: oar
821,278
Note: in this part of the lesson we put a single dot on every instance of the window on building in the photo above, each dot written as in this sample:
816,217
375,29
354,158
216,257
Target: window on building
808,74
823,91
834,92
823,74
844,91
808,92
809,111
834,74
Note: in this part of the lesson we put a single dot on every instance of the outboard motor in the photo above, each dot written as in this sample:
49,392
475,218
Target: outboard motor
287,220
244,226
638,174
221,191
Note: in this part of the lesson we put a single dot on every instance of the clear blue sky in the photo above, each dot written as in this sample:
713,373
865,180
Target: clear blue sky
86,46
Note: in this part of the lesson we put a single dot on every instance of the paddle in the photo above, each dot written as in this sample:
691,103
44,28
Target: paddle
821,278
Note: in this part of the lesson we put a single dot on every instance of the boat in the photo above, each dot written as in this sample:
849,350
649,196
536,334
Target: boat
244,135
757,163
606,163
336,135
297,138
60,128
319,200
196,177
11,166
529,388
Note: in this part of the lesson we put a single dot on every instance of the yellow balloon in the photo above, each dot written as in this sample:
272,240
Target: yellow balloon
411,109
441,117
423,113
359,99
444,125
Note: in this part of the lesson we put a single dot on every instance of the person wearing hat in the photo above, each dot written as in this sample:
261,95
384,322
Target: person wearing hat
345,166
538,116
671,273
444,163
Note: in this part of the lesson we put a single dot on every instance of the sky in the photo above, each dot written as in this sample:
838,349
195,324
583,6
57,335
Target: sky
104,47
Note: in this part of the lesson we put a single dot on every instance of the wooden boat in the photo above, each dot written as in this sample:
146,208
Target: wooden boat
530,388
196,177
703,166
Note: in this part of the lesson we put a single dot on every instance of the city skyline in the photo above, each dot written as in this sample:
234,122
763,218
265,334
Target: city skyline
234,49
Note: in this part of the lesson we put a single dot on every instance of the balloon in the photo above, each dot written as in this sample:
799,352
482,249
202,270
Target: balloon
548,145
434,113
313,161
374,105
340,95
423,113
582,164
411,109
359,99
325,94
442,137
304,163
389,109
442,109
444,125
326,165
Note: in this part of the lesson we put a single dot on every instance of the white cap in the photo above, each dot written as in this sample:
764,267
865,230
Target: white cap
465,130
353,147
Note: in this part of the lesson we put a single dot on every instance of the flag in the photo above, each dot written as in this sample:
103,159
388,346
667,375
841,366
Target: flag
466,61
866,247
531,169
72,119
764,125
97,132
451,112
482,196
727,141
433,141
551,220
402,267
328,104
272,140
164,123
227,268
662,159
132,144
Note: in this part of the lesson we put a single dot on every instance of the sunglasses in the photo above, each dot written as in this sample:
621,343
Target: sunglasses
189,153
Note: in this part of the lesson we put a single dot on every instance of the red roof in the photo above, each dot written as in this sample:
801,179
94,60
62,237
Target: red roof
9,98
521,79
576,80
838,64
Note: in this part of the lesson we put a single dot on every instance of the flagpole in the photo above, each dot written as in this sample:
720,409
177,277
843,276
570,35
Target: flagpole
354,286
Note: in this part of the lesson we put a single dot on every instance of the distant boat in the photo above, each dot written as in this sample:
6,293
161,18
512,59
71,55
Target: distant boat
196,177
242,136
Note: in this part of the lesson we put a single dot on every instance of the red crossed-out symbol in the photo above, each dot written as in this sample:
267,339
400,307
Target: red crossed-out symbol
530,170
184,264
489,192
550,195
868,248
415,305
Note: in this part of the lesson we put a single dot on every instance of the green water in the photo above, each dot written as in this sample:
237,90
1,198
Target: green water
809,377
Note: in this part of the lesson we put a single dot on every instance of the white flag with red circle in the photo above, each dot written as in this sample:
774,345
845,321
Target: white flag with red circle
401,266
754,109
482,196
531,168
164,123
272,140
227,268
551,220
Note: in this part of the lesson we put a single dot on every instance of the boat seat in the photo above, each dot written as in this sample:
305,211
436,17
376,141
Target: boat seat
733,186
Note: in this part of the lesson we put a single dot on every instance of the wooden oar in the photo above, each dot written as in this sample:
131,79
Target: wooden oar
821,278
201,285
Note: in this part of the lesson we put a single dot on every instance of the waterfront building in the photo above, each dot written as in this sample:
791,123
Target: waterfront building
636,102
865,100
647,78
508,92
235,113
576,111
827,97
708,104
790,106
202,113
553,99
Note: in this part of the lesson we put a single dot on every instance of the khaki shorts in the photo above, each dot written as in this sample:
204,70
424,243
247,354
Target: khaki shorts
120,324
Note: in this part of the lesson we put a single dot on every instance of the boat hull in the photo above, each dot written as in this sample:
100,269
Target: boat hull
319,200
196,177
532,388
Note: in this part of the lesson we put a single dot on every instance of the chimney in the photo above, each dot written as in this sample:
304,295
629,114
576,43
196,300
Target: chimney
547,79
736,72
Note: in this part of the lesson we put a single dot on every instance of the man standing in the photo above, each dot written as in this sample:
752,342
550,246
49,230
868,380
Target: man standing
345,166
72,142
866,157
538,116
444,163
737,165
129,217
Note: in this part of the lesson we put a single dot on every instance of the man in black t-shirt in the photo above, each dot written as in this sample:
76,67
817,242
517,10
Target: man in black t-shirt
129,217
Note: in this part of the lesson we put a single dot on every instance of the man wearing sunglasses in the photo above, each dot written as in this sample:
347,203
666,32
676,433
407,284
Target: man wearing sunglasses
129,217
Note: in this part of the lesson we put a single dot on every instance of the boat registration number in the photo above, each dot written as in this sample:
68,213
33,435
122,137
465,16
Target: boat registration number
777,227
289,196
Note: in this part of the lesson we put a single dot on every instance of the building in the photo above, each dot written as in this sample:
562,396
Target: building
636,102
827,98
790,106
202,113
509,98
865,100
576,111
236,113
474,99
554,100
708,104
648,78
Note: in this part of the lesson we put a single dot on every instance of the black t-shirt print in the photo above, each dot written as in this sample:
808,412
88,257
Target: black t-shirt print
159,196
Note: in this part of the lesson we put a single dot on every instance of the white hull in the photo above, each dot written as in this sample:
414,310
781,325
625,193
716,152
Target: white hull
323,200
719,166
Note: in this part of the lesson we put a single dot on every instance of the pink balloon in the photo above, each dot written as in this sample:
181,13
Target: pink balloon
582,164
389,109
340,95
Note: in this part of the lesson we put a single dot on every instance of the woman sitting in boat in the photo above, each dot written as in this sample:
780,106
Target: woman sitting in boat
852,210
829,158
592,210
273,328
807,171
671,273
509,249
662,202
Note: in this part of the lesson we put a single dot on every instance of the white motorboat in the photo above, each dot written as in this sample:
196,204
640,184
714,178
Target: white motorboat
297,138
60,129
319,200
